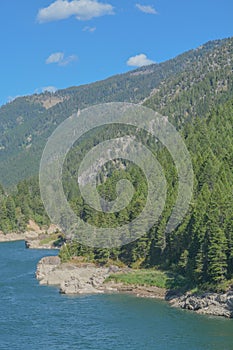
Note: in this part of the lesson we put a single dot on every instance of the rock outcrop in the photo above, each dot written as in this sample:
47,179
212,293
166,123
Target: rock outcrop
72,279
45,239
207,303
88,279
37,243
45,266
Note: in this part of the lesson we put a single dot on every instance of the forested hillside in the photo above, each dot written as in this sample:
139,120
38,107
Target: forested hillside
195,90
21,205
189,84
201,248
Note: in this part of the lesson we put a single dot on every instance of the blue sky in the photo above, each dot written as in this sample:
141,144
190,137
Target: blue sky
56,44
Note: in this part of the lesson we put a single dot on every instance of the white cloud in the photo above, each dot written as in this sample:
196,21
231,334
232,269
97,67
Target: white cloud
67,60
60,59
56,57
139,61
49,89
89,29
82,9
147,9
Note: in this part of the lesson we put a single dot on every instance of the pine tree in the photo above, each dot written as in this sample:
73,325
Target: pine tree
215,263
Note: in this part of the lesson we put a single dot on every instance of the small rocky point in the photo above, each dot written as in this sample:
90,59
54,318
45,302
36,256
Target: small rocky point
207,303
86,278
34,236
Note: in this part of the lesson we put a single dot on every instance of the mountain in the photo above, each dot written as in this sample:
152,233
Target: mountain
195,91
183,87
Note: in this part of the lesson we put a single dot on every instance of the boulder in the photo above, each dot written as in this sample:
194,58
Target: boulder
71,279
47,265
207,303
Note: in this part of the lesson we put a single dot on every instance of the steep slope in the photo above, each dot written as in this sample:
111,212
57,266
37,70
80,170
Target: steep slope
197,89
26,123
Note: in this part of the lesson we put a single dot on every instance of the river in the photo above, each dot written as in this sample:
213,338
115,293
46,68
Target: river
38,317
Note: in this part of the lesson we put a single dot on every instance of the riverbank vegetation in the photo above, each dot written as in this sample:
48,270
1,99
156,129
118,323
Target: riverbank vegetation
150,277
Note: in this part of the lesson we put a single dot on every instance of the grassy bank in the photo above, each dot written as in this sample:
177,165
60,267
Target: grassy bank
150,277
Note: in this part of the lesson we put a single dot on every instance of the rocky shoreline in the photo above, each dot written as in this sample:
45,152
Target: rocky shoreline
215,304
87,278
15,236
34,237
